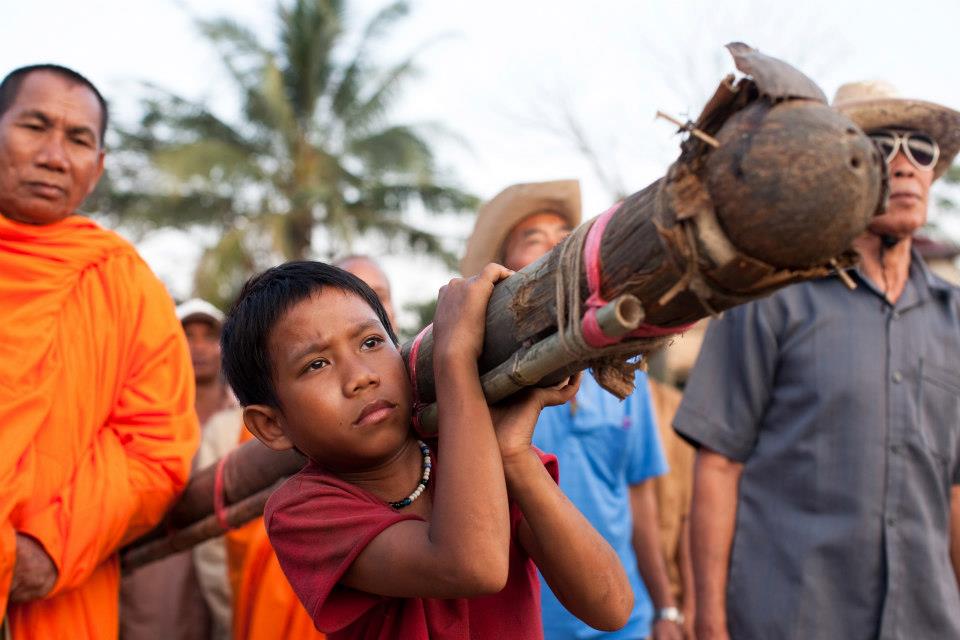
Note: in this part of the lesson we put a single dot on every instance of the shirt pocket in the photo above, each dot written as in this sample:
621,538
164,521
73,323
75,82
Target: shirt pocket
940,411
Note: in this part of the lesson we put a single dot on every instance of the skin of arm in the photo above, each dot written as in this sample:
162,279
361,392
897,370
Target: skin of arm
464,548
577,563
646,546
712,522
685,562
955,531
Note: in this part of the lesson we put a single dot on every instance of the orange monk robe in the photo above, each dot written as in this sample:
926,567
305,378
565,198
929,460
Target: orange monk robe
265,606
97,426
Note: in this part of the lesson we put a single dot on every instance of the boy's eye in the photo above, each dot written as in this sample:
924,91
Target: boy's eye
316,365
372,342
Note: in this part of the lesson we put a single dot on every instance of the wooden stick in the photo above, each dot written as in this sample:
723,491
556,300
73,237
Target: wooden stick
688,126
843,275
237,515
250,468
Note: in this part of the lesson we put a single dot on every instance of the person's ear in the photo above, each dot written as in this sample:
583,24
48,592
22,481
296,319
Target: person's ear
263,422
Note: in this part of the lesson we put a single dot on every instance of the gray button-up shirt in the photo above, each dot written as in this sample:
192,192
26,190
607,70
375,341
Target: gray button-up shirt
845,411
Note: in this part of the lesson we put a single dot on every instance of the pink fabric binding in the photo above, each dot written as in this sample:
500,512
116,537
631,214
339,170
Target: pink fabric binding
418,404
593,335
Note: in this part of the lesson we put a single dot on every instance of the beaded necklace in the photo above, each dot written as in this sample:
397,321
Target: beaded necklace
424,479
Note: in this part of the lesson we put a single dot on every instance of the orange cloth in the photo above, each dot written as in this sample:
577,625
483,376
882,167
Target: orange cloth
265,606
97,426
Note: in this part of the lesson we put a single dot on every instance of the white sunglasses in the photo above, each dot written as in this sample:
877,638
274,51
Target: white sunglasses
921,150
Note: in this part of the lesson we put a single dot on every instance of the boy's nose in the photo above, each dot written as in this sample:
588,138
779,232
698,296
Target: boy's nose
361,379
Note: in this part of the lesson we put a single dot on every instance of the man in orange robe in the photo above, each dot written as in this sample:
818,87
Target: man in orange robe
97,426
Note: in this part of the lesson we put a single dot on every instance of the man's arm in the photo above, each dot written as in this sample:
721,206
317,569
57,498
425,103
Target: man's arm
649,552
685,562
955,531
712,520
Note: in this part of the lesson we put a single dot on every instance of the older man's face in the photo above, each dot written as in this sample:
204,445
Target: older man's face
909,195
532,237
376,279
51,155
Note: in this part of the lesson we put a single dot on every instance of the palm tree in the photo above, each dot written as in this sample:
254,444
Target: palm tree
311,164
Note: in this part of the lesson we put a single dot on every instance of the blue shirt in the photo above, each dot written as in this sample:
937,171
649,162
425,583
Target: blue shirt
603,446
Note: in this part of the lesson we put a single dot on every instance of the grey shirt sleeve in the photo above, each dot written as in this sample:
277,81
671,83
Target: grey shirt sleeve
731,384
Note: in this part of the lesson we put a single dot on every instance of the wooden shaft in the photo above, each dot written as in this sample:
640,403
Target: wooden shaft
250,468
209,527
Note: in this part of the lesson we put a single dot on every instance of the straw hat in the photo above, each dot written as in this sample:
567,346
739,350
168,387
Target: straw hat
501,214
876,105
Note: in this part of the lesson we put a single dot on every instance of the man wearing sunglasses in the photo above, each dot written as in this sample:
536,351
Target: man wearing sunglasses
827,490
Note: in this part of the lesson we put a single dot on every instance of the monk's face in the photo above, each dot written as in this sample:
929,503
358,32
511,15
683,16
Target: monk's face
532,237
376,279
51,155
203,338
906,209
341,383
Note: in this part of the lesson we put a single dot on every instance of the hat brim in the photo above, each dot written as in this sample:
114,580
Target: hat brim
504,211
940,122
200,316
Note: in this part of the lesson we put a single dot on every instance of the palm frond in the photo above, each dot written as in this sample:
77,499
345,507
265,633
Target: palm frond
350,78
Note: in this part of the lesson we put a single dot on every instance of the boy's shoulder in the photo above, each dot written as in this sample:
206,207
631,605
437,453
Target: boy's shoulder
310,484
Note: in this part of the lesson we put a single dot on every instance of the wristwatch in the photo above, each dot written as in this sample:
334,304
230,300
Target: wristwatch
668,613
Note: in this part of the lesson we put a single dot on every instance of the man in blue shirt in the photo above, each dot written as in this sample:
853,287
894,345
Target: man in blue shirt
609,451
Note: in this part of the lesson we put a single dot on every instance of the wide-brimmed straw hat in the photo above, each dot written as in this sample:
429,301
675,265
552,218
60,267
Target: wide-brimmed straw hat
877,105
501,214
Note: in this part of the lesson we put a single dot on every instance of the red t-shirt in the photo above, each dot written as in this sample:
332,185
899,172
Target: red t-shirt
318,524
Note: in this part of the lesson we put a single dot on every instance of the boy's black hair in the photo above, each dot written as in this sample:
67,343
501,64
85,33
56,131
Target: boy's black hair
10,88
265,298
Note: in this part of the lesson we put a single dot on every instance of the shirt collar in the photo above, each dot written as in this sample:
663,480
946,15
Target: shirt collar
921,282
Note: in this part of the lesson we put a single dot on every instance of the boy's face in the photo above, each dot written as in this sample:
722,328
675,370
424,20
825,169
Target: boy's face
342,385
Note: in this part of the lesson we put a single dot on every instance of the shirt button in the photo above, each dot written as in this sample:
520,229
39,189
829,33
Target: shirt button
891,522
897,377
896,315
895,448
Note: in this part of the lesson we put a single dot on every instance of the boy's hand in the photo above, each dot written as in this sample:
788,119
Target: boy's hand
460,319
515,417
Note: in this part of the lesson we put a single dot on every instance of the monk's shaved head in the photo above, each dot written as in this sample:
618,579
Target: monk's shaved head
10,88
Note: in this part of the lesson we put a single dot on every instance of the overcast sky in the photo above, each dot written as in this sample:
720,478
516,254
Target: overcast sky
504,70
